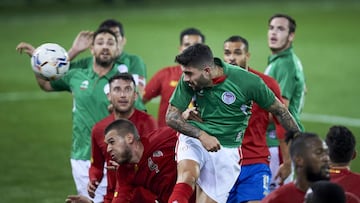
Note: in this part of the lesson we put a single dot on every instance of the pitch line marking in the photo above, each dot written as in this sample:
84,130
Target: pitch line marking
309,117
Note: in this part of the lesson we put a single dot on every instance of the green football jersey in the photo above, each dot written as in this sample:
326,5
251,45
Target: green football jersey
90,103
285,67
225,108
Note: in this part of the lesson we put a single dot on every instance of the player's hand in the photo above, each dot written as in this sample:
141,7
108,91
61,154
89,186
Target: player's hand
82,42
110,108
192,114
283,172
77,199
112,166
24,47
210,143
92,185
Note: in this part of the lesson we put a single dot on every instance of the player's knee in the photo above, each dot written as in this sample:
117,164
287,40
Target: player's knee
188,172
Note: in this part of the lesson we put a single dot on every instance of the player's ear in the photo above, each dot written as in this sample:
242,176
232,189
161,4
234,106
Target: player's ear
354,155
292,36
299,161
92,49
123,42
129,138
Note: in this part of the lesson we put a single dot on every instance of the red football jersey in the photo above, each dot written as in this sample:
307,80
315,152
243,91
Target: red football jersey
254,147
155,175
285,194
144,123
163,84
347,179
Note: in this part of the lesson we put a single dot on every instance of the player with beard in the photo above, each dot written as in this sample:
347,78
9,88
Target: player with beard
208,150
165,80
125,62
285,67
87,81
310,156
122,96
254,180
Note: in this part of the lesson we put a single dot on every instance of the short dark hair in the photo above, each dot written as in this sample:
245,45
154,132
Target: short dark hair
341,143
196,55
109,23
123,127
237,38
327,192
122,76
191,31
299,142
292,22
104,30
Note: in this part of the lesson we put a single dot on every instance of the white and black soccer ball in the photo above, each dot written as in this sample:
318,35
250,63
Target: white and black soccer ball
50,60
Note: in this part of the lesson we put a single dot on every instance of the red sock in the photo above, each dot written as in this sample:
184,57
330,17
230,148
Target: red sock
181,193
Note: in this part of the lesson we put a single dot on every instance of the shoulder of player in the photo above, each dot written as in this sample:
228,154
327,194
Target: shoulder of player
141,116
130,56
101,125
239,75
169,70
163,136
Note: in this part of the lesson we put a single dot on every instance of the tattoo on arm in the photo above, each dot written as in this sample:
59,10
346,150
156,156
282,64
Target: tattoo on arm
283,115
175,120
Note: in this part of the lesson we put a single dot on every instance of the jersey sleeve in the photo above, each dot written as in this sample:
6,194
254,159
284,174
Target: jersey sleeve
274,86
285,78
97,158
182,95
149,125
81,63
153,88
261,94
63,83
136,67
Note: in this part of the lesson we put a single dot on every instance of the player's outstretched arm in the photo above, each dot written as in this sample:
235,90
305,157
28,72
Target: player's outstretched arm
43,83
283,115
82,42
77,199
285,168
24,47
175,120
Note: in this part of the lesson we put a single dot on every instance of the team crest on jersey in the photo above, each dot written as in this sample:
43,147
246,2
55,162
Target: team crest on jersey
123,68
107,88
153,166
200,93
84,85
173,83
228,97
158,153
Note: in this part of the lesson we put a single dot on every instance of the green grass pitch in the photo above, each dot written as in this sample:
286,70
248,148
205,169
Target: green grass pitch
35,127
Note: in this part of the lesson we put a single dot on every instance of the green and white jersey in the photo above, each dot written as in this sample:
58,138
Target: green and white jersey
128,63
135,65
285,67
226,107
90,103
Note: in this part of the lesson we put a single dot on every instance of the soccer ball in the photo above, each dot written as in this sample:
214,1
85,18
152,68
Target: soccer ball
50,61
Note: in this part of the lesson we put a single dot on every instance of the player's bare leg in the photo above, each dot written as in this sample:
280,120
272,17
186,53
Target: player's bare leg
202,197
188,173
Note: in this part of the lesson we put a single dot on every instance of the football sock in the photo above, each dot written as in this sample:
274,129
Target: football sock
181,193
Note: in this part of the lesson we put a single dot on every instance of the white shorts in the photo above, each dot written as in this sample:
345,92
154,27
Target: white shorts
218,170
80,172
274,167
